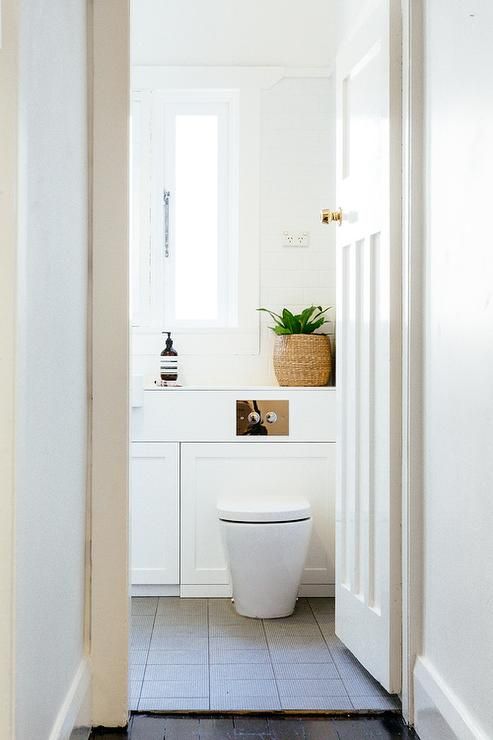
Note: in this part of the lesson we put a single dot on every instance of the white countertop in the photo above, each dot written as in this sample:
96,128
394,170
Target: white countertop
276,388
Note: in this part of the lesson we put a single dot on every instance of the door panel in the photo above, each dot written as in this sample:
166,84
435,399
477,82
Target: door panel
154,512
211,471
368,326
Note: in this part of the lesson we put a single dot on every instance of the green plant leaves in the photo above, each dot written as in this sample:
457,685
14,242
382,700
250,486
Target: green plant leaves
304,316
306,322
291,322
275,316
310,328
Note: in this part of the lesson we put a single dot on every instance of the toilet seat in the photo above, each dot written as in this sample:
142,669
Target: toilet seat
265,510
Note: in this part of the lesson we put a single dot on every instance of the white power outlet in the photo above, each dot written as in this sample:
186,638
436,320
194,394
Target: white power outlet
302,239
295,238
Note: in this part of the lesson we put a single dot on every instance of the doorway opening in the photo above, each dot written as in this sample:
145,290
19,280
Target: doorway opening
234,151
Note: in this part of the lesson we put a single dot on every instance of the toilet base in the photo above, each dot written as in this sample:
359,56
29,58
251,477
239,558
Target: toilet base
265,615
274,616
266,562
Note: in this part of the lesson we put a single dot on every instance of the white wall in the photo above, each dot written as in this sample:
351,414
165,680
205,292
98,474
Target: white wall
232,32
296,181
347,12
8,256
296,152
454,675
51,374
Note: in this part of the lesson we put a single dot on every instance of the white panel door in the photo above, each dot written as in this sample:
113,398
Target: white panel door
211,471
368,341
155,511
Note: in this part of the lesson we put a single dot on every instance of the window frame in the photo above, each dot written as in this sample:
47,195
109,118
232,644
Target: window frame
152,172
244,337
223,104
140,289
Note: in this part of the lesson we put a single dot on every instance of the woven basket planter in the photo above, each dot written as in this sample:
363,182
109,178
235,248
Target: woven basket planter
302,359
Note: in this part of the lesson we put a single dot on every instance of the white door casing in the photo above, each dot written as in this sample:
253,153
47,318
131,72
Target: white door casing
368,588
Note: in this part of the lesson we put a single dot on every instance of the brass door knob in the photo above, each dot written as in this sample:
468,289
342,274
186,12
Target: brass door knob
327,216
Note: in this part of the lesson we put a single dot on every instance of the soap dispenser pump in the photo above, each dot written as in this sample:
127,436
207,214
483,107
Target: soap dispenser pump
169,360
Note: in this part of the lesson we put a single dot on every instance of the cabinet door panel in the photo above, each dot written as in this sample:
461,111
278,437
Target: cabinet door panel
154,488
210,471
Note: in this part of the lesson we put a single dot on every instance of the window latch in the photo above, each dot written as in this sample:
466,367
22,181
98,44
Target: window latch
166,197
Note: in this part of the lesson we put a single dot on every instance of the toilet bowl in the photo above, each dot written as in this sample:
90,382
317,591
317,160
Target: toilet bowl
266,543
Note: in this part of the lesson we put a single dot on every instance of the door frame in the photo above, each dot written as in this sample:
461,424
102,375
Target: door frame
109,35
412,344
108,610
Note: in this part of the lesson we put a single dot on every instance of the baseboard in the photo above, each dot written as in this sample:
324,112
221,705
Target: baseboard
225,591
152,590
73,717
211,591
315,590
438,712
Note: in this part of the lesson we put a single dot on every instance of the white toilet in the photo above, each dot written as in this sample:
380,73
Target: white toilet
266,542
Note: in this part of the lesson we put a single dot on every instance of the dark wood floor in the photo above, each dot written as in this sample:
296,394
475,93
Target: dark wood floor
177,727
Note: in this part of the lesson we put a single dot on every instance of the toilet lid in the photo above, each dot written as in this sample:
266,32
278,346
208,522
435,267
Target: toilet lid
263,510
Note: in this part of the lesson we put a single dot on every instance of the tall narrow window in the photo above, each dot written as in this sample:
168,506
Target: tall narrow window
185,157
199,169
196,232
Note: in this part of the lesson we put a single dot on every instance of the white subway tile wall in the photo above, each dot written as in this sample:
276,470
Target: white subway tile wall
297,179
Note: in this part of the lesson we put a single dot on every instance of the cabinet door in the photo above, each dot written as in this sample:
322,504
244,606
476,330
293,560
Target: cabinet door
210,471
154,496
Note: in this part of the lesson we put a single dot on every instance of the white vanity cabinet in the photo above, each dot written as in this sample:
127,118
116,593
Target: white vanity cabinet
210,471
155,513
186,454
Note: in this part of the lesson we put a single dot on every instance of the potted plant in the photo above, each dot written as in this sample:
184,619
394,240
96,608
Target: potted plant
301,357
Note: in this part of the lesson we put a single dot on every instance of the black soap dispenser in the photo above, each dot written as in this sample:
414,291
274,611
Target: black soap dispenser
169,360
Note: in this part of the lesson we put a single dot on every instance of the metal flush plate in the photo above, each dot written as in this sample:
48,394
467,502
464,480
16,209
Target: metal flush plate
262,418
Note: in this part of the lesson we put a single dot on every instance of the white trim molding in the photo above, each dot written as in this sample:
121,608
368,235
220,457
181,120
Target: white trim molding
220,591
74,714
110,359
439,713
412,320
8,279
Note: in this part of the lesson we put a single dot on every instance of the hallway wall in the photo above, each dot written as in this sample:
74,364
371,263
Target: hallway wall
51,373
8,255
453,676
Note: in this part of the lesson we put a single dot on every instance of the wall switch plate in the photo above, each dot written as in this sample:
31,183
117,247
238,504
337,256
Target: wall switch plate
295,238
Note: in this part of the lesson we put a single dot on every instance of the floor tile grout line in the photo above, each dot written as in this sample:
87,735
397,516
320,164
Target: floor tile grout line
168,681
330,653
129,663
271,662
148,651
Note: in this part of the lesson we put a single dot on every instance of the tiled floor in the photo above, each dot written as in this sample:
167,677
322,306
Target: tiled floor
261,728
198,654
